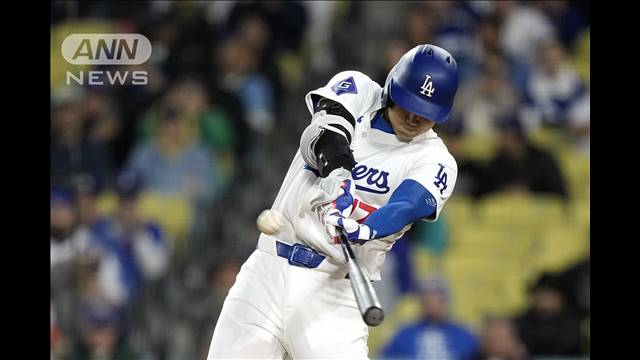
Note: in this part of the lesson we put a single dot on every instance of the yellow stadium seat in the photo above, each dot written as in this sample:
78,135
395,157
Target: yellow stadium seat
172,212
497,246
581,212
560,246
460,208
550,139
478,147
581,56
491,258
106,202
522,212
576,168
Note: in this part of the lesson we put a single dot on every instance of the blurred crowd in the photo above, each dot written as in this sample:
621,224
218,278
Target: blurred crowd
155,189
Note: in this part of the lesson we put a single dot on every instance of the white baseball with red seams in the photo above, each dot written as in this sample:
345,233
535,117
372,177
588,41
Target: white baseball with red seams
276,309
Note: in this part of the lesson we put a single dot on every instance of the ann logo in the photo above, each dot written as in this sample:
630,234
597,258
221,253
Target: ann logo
427,87
441,180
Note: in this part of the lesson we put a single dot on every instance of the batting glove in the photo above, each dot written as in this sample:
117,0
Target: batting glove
343,204
357,233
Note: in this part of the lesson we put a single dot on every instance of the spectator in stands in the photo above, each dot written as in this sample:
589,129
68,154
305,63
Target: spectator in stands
272,29
172,163
392,52
435,336
57,338
487,96
499,341
133,250
576,283
548,327
209,124
454,28
238,62
203,291
86,190
239,74
524,25
579,124
255,28
567,18
64,222
101,117
470,171
66,245
488,41
102,335
554,91
419,26
518,165
72,151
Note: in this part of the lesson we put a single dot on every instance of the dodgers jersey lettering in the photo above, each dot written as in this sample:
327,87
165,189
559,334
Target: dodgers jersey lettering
383,163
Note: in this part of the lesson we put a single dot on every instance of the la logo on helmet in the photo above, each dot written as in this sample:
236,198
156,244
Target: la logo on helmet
427,87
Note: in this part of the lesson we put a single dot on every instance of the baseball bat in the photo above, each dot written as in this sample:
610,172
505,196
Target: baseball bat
366,296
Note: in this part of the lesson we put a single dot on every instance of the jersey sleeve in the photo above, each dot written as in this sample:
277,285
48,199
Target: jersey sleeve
352,89
439,178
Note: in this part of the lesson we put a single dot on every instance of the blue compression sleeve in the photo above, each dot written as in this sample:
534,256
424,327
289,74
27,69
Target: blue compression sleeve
409,203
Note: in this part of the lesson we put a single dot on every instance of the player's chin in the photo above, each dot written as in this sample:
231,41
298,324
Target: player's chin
405,135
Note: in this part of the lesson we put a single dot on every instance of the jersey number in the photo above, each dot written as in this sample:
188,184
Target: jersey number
362,210
441,179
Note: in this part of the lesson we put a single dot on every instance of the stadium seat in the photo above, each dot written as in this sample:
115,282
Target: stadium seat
478,147
172,212
551,139
576,168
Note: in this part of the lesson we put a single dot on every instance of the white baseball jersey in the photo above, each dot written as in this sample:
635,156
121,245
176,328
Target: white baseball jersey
383,163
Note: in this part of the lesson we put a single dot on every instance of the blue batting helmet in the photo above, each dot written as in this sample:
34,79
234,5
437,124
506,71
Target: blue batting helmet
424,82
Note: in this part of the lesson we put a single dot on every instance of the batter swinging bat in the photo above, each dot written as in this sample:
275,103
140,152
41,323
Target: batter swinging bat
366,296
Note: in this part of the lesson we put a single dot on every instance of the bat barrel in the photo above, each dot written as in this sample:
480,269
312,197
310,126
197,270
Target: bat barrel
365,295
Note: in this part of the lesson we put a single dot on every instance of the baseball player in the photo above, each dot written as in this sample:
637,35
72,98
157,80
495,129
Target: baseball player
369,164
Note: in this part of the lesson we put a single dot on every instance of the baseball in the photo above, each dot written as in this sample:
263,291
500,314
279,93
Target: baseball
270,222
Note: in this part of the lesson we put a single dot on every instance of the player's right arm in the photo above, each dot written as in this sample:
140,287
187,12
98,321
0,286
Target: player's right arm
325,143
325,146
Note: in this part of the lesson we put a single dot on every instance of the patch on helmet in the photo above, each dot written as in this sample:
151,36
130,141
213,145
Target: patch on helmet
346,86
427,87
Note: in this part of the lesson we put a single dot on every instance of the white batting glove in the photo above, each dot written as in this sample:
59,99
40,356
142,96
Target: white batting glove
357,233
